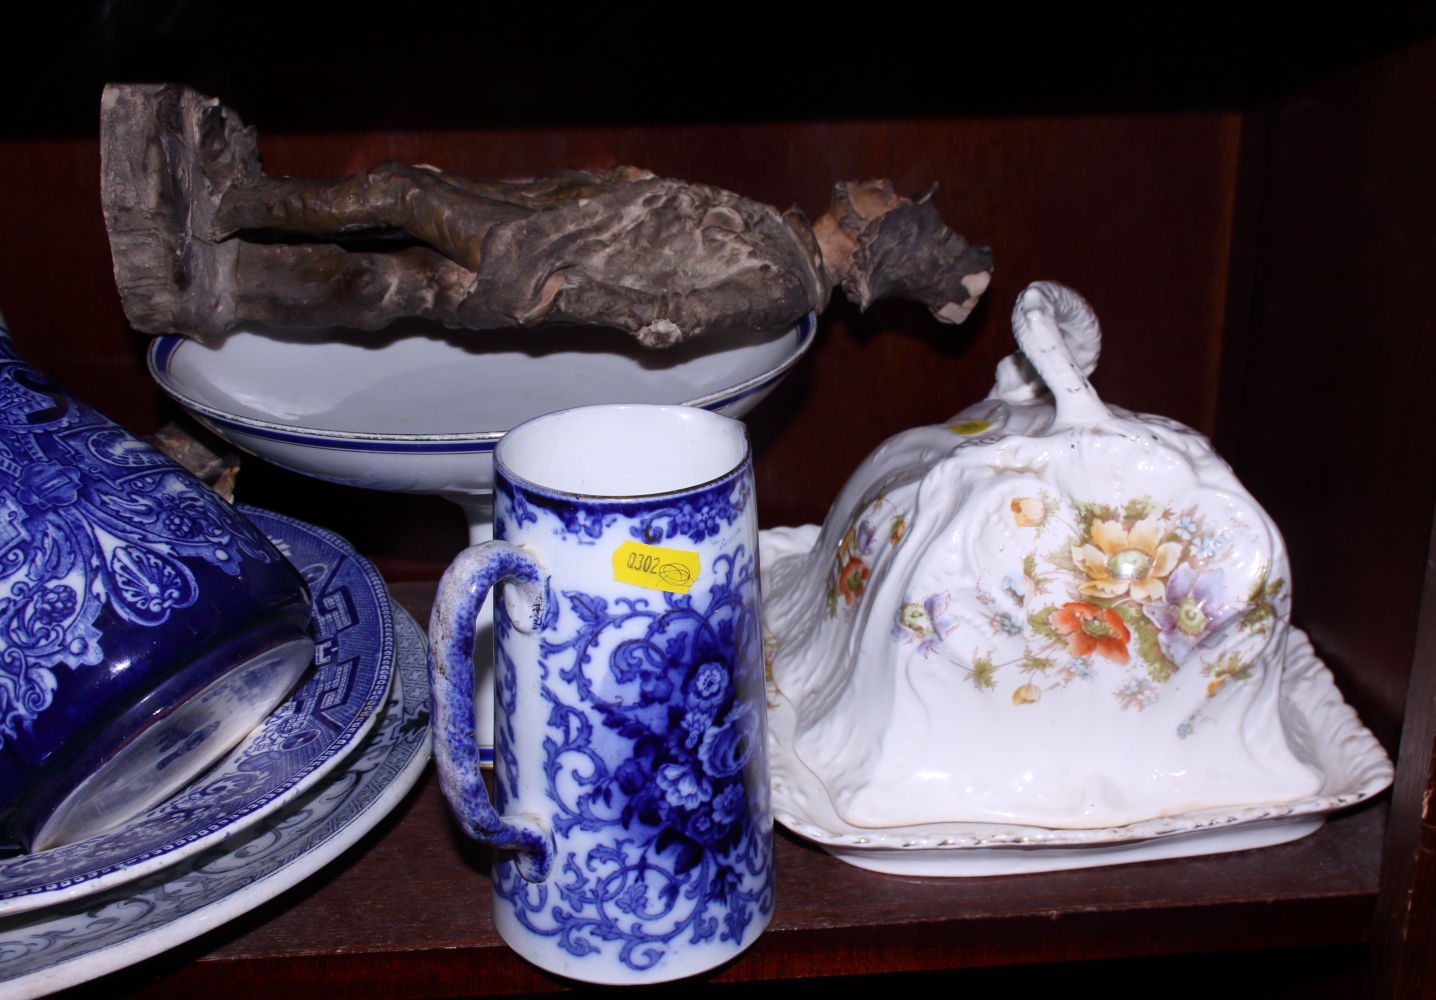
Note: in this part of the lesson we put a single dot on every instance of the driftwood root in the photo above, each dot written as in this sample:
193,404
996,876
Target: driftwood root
204,240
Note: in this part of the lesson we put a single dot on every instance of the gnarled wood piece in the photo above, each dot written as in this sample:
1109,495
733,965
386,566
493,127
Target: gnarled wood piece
202,454
203,240
877,243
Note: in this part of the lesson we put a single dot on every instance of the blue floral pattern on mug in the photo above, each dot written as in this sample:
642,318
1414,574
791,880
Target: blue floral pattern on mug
655,752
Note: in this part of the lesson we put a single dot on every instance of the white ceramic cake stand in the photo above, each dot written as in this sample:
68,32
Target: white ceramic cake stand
417,408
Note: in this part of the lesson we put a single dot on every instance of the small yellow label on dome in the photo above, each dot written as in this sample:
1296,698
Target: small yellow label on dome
969,427
671,570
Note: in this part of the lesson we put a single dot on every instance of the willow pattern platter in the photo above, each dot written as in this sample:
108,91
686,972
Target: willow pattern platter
79,940
294,748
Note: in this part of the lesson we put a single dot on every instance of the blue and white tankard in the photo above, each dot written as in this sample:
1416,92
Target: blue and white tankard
631,803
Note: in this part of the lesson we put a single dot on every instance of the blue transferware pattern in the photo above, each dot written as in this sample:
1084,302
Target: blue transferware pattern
119,572
295,747
77,941
654,761
683,788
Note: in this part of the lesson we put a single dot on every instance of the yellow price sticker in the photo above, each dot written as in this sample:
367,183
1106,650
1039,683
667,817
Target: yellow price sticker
969,427
656,568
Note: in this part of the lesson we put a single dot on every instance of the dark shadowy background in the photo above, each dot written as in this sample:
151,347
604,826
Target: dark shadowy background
1245,195
311,67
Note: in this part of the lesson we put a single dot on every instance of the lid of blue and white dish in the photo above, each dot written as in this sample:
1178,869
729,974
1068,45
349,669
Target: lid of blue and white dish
1049,612
127,588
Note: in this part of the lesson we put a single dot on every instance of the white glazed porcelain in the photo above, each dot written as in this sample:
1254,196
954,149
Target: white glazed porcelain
421,411
1045,624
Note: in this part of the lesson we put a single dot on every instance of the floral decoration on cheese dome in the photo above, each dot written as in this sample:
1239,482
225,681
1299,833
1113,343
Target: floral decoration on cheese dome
1047,611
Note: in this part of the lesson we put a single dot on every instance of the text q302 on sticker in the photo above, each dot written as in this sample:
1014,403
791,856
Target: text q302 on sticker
656,568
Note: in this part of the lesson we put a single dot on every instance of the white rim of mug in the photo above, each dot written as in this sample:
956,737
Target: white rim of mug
502,469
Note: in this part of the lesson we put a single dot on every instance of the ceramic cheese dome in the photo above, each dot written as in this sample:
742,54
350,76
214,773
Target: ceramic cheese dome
1049,614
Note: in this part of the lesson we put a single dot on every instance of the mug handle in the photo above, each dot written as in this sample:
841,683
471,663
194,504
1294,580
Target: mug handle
451,678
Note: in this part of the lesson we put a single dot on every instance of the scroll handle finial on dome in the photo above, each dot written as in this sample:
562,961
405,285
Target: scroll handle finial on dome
1057,331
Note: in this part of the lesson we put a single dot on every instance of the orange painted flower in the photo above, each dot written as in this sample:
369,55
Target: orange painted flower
852,579
1029,512
1027,694
1089,629
898,529
1118,561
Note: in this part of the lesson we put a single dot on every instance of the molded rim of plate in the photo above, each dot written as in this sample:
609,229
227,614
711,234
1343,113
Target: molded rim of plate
1305,677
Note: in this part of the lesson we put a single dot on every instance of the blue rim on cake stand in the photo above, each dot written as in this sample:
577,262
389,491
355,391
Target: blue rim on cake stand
301,741
80,940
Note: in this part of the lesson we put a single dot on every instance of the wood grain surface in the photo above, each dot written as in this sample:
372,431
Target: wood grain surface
1329,347
407,914
1334,423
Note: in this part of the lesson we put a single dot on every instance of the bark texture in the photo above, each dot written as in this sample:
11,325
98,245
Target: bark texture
877,243
205,456
203,240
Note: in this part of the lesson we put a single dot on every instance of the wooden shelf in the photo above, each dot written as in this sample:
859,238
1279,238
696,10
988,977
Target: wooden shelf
406,913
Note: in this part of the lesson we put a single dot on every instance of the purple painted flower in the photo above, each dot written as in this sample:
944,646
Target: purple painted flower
864,541
1191,612
924,622
682,787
